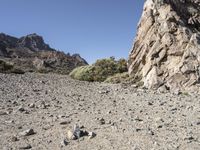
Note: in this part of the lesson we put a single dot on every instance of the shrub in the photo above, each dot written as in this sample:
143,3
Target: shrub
17,71
100,70
4,67
8,68
118,78
84,73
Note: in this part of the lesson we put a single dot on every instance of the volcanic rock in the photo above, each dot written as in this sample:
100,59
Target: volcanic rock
31,54
166,50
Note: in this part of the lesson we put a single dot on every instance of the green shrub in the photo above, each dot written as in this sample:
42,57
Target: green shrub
8,68
84,73
17,71
118,78
100,70
4,67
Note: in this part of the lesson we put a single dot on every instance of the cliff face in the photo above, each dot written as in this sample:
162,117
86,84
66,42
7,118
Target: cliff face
31,53
166,50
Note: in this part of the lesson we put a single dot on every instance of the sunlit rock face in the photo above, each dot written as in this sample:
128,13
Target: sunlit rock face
166,50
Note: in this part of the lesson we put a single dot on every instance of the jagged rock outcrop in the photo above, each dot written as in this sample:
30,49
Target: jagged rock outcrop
31,53
34,42
166,50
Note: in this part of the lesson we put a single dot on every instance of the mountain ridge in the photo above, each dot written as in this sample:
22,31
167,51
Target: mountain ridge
31,53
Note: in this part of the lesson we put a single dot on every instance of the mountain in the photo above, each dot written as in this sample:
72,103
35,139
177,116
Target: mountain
31,53
166,51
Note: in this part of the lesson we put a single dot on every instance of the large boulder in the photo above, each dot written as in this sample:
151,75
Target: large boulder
166,50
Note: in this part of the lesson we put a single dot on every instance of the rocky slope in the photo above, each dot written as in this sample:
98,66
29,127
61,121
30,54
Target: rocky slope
31,53
166,50
38,110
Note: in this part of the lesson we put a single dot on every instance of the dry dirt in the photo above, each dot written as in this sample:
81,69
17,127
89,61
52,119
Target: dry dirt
122,117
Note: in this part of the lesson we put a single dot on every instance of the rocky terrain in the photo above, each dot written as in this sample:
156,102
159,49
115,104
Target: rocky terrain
38,111
31,54
166,50
56,112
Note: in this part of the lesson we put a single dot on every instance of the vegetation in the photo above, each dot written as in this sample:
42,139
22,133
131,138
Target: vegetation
5,66
100,70
8,68
118,78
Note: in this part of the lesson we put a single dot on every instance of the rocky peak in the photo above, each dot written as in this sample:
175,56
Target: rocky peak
79,58
31,53
166,50
8,40
33,42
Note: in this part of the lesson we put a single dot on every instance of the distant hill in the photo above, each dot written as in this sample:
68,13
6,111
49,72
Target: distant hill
31,54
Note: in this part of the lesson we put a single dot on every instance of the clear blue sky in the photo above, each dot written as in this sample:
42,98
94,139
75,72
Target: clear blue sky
93,28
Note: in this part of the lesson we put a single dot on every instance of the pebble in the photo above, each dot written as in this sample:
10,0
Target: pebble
3,113
27,146
32,105
27,132
65,122
101,121
104,92
64,143
91,135
21,109
14,139
70,135
9,121
77,131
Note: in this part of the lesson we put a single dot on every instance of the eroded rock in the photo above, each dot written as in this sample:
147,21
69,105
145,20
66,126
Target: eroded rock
166,50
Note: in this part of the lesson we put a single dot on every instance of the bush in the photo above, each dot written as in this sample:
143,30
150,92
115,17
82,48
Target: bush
17,71
4,67
118,78
100,70
84,73
8,68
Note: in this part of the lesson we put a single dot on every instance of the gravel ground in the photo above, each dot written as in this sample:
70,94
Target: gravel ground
37,111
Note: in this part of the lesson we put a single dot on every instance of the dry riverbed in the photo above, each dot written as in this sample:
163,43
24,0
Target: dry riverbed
38,112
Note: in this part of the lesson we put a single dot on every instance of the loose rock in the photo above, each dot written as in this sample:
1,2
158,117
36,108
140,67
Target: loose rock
27,132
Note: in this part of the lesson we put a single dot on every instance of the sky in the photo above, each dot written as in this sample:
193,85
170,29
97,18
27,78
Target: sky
94,29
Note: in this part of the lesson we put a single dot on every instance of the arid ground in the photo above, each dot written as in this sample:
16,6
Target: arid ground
37,111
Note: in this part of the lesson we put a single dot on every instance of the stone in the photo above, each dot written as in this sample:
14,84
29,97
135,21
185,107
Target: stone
3,113
32,105
10,121
21,109
166,51
27,132
26,146
64,122
91,135
70,135
77,131
14,138
162,89
104,92
64,143
101,121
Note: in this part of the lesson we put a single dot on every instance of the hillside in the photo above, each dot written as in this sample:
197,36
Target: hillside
31,54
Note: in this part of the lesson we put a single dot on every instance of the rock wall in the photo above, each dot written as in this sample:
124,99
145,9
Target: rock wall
166,50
